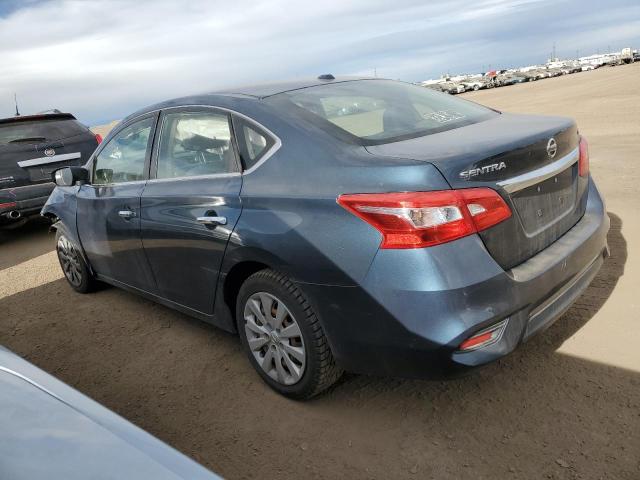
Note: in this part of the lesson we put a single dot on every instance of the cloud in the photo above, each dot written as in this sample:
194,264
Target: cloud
104,59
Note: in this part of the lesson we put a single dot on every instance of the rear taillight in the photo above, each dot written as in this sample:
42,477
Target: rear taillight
4,206
583,162
423,219
486,207
98,138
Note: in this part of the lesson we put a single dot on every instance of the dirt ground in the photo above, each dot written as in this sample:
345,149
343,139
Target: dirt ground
566,405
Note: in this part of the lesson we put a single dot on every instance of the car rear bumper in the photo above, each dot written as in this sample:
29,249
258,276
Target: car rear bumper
28,200
415,307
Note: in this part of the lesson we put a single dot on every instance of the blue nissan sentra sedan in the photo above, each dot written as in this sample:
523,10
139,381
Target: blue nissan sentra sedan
360,225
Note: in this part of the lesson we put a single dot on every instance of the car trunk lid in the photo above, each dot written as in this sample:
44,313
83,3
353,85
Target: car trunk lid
532,161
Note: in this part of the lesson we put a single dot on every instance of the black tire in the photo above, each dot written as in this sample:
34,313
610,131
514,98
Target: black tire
320,369
73,266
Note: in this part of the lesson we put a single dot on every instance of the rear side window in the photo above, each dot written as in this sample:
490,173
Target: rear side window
195,143
123,158
372,112
253,142
39,131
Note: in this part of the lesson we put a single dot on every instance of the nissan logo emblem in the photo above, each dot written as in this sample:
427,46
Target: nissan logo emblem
552,147
49,152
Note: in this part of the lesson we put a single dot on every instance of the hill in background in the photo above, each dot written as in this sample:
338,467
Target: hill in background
104,129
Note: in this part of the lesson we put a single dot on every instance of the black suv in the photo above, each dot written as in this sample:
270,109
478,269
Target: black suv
31,148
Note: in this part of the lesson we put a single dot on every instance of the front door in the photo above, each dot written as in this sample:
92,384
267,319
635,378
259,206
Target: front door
109,208
191,204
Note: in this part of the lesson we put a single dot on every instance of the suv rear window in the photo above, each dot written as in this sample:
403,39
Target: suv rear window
39,130
381,111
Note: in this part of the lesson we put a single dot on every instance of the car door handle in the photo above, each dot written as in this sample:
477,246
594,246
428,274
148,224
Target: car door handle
212,220
126,214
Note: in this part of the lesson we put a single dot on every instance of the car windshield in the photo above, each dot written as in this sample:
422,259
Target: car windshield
39,130
382,111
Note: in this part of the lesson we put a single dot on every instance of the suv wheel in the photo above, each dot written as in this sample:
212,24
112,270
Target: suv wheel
73,266
282,336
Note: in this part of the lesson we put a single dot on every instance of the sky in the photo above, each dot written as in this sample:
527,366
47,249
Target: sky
102,60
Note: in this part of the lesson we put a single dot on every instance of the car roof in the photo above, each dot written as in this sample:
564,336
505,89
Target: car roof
269,89
251,92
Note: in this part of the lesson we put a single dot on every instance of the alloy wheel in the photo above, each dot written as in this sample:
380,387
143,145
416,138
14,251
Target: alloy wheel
70,261
274,338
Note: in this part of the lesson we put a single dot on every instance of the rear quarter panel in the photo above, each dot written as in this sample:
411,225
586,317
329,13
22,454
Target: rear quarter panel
290,210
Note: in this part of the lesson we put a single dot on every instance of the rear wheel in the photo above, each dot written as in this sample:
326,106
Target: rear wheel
73,265
283,338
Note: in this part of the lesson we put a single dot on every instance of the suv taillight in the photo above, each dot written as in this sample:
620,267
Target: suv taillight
4,206
583,162
424,219
98,138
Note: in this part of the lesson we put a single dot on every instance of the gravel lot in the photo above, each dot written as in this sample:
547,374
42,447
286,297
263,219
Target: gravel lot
565,405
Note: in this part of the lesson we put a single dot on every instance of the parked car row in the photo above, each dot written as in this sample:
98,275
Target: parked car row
448,87
505,78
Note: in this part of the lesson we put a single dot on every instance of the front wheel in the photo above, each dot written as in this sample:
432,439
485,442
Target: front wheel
73,265
283,338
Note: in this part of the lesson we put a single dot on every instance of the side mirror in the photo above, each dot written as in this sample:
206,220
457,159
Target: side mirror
70,176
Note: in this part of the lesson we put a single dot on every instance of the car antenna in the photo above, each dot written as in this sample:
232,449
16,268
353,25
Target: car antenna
15,99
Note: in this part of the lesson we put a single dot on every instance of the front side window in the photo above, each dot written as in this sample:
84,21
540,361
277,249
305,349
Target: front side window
123,158
372,112
195,143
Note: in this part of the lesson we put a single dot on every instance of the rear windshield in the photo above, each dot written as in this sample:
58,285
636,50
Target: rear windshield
382,111
39,130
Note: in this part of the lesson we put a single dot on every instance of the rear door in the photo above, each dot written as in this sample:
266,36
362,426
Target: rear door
109,208
191,204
